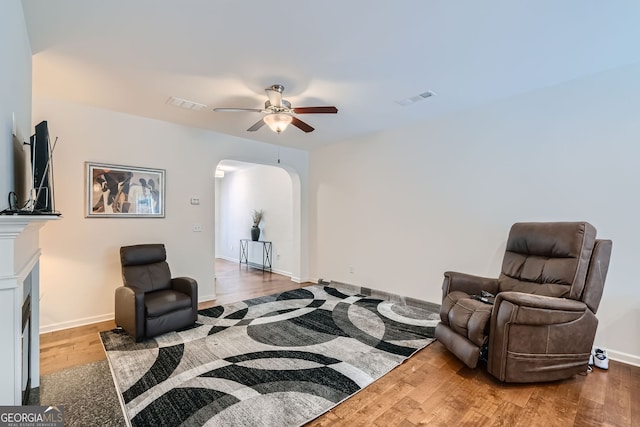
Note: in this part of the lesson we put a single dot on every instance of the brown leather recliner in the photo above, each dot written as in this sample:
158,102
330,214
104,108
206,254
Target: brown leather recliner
542,323
151,303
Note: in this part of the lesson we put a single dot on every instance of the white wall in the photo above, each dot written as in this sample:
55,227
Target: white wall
258,187
15,89
402,207
80,266
15,100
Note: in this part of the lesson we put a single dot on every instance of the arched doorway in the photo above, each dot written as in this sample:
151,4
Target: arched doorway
246,186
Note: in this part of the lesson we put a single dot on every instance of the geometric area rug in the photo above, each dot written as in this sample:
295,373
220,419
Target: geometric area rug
277,360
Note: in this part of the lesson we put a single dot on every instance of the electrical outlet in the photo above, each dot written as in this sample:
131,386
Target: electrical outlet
196,228
351,269
195,200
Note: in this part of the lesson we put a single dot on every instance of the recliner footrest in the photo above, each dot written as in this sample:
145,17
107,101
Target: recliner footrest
458,345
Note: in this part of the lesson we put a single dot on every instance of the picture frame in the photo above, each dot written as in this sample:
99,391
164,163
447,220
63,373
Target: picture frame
116,191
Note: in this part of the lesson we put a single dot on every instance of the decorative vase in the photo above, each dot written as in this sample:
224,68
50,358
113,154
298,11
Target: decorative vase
255,233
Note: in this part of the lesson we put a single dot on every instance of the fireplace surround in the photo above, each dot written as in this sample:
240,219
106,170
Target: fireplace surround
19,305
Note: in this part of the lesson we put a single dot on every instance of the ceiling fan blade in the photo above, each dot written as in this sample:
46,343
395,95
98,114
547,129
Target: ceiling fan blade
315,110
256,126
236,110
301,125
274,92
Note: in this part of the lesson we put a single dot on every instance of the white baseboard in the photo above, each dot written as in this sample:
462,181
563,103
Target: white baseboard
105,317
206,298
75,323
282,272
301,280
97,319
621,357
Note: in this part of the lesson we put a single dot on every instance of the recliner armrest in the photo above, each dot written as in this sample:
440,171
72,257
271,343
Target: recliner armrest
130,295
540,301
535,310
467,283
186,285
130,311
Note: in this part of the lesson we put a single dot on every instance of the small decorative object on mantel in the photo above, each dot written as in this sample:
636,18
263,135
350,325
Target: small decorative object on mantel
255,230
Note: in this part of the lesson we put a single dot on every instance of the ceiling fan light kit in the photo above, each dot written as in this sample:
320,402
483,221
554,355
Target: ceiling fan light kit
277,122
279,113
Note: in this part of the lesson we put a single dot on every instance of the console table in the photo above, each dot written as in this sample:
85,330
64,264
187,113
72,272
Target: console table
266,254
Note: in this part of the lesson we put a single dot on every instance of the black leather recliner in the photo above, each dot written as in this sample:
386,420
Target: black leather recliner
152,303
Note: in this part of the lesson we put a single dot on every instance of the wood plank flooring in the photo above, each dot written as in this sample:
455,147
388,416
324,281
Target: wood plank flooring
431,388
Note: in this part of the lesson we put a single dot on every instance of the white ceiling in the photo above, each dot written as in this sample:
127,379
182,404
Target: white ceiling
359,55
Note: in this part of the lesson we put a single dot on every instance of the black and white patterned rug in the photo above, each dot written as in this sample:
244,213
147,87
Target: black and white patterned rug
279,360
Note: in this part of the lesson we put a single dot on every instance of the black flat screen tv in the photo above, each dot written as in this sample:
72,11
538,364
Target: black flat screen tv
41,168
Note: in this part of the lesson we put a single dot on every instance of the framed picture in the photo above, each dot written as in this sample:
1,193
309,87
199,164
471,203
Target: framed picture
115,191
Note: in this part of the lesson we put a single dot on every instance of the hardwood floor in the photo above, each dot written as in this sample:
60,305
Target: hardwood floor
430,388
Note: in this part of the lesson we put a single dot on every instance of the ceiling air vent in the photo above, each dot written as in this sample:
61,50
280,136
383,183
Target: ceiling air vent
416,98
183,103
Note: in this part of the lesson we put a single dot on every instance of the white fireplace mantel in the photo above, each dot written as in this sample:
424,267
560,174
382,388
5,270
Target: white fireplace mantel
19,275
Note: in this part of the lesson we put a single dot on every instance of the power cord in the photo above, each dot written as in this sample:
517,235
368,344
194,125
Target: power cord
13,201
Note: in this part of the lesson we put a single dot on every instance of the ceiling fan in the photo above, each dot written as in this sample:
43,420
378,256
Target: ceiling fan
279,113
